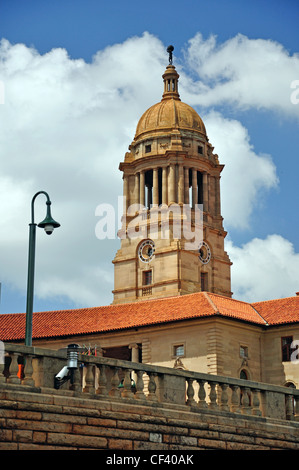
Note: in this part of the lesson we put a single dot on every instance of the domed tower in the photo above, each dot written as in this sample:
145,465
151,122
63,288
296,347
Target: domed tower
172,236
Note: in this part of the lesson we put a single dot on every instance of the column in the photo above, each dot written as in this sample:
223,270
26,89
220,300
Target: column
135,352
186,185
134,357
142,188
126,194
194,188
149,196
205,192
164,185
136,189
171,181
155,187
217,196
181,185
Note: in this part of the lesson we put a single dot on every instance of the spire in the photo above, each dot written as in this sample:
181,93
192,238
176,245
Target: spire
171,78
170,50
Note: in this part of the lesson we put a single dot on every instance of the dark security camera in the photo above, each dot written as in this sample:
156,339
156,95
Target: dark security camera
49,229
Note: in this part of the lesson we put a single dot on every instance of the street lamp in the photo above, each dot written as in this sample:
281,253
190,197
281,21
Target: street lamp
48,224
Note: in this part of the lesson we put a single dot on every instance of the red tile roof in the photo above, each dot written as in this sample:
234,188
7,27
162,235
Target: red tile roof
147,312
279,311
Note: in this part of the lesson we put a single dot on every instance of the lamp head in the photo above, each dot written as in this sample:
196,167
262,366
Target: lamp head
48,223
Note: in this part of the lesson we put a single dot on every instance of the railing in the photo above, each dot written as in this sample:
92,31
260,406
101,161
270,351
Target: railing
147,290
34,369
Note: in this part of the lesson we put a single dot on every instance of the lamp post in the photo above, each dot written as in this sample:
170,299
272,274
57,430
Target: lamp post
48,224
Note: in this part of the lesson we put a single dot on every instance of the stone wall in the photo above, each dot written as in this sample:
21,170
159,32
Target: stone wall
168,415
30,421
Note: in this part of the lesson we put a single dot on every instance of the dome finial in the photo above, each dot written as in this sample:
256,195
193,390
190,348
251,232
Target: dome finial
170,50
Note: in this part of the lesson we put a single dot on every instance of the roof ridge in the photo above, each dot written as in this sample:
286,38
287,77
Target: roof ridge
276,300
206,294
230,298
259,315
143,301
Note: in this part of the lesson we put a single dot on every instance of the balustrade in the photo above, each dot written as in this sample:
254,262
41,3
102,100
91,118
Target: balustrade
105,378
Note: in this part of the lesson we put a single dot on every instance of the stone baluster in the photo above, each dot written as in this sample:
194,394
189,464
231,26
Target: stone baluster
13,370
224,397
2,376
140,395
256,403
202,394
190,393
245,402
289,407
213,396
102,388
28,371
127,390
115,391
152,387
235,399
89,380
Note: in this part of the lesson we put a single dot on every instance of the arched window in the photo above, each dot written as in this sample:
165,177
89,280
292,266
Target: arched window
243,374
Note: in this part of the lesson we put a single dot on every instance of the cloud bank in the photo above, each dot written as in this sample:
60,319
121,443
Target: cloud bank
264,269
242,72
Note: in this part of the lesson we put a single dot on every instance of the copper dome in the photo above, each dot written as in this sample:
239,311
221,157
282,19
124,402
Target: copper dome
170,113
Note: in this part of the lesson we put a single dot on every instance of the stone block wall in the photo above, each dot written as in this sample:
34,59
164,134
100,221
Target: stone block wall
59,420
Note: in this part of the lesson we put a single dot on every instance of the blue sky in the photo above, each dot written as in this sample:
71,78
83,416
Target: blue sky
84,27
74,53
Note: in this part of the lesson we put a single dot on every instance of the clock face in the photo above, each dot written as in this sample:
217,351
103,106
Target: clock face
204,253
146,251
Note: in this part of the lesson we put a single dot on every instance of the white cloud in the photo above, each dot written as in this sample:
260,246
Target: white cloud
264,269
246,175
242,72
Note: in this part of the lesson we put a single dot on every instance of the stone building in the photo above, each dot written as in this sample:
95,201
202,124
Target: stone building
170,171
173,303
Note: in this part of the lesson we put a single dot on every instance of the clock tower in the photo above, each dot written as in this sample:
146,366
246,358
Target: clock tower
172,235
